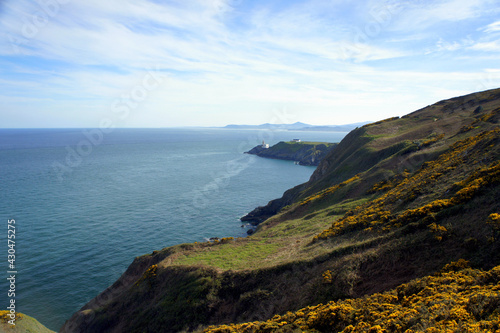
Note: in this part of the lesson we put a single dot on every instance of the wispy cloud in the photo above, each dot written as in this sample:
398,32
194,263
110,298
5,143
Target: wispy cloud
493,27
234,61
487,46
421,15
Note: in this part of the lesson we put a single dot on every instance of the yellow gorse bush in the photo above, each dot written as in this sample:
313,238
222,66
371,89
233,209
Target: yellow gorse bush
5,316
327,277
494,221
485,118
456,299
438,230
324,193
148,275
433,140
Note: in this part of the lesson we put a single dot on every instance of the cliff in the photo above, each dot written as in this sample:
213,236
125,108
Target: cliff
384,212
305,153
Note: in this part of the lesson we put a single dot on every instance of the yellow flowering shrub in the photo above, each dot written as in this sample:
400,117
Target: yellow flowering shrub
226,240
433,140
389,183
455,266
494,221
467,300
330,190
5,316
148,275
438,230
327,277
489,116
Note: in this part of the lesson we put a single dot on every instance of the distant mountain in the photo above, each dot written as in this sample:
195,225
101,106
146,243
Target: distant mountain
294,126
299,126
334,128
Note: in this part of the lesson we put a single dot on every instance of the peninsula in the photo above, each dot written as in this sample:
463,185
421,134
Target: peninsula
304,153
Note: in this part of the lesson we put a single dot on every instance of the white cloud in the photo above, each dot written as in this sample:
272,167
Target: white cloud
493,27
493,46
417,16
222,61
455,45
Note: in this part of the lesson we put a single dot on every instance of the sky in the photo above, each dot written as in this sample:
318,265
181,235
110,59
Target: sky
155,63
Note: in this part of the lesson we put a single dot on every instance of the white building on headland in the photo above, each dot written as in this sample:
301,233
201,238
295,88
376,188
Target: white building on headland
264,144
296,140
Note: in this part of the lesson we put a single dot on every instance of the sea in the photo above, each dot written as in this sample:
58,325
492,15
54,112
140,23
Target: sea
85,202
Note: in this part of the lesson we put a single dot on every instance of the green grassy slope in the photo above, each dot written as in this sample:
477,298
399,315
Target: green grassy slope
395,201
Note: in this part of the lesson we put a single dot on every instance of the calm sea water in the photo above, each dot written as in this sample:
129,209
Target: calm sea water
87,203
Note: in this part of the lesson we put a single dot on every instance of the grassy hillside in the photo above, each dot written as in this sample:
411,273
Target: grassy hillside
395,201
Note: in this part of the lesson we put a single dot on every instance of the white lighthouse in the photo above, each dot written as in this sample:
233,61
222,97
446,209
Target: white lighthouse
264,144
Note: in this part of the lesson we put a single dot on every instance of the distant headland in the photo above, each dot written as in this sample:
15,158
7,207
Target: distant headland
299,126
304,153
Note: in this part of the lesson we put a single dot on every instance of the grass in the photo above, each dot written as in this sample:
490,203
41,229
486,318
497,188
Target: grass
280,240
238,255
313,143
291,147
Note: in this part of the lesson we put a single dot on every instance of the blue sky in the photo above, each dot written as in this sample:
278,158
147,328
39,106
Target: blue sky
139,63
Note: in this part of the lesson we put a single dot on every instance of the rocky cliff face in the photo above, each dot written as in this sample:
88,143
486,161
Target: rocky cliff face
305,153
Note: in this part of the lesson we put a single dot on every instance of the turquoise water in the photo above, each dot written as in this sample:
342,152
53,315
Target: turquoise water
86,204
